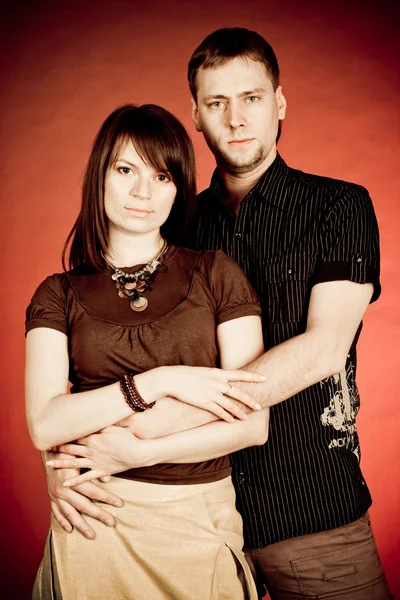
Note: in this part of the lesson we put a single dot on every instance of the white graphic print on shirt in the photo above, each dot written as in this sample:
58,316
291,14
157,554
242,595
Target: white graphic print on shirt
342,410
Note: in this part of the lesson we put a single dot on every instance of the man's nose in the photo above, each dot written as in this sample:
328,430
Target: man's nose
235,116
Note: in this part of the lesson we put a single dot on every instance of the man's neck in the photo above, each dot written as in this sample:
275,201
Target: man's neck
238,185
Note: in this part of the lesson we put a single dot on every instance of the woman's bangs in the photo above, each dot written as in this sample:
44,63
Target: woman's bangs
157,150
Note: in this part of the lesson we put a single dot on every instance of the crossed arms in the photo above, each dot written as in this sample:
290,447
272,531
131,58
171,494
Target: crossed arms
335,311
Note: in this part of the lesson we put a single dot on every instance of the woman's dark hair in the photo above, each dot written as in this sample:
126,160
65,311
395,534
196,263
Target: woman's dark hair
162,142
228,43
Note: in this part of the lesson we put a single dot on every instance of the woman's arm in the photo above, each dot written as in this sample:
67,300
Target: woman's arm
115,449
55,417
239,342
112,450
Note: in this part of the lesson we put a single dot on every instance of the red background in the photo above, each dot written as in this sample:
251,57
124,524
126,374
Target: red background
66,67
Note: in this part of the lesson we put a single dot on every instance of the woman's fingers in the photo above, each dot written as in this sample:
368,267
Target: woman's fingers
88,476
224,400
70,463
243,397
239,375
217,409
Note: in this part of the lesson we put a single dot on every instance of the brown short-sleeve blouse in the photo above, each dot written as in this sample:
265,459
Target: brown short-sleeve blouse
106,339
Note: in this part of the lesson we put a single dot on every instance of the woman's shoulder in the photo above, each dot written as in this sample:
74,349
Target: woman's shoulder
55,284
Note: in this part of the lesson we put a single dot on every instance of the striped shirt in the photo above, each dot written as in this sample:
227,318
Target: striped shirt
294,230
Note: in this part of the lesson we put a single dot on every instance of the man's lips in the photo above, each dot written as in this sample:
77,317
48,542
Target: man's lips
240,142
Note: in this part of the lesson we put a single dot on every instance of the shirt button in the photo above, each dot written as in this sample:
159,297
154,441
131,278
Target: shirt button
241,478
238,235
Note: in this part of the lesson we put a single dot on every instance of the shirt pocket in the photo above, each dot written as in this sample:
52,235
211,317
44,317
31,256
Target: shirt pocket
288,286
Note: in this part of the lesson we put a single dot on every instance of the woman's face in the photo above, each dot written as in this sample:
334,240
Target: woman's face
137,197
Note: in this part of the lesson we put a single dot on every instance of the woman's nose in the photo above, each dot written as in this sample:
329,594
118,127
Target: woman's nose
142,189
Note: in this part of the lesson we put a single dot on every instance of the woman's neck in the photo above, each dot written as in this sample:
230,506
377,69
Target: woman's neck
126,250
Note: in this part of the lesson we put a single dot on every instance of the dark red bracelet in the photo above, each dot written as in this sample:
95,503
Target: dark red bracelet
131,394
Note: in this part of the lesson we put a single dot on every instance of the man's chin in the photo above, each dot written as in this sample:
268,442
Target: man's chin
237,166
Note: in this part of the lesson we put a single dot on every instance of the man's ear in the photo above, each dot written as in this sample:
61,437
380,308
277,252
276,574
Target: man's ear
195,115
281,101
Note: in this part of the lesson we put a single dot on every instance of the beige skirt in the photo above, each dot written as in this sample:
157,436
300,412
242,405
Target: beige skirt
172,542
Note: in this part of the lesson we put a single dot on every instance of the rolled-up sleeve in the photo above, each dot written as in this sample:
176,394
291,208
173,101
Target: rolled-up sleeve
350,241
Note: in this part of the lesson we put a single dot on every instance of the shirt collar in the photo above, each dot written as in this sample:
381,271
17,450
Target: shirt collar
269,187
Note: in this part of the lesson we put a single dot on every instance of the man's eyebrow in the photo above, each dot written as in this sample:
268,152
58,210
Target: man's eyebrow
215,97
258,90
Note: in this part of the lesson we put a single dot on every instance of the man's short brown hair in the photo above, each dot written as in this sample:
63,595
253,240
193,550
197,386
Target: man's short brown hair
228,43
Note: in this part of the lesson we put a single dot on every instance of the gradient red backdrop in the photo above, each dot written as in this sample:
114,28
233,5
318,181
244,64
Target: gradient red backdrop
67,65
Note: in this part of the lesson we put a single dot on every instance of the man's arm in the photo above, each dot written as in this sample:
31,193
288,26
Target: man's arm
335,311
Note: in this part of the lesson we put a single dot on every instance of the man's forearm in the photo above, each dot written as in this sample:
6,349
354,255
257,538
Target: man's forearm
293,366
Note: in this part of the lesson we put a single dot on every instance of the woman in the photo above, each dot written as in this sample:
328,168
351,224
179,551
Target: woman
132,303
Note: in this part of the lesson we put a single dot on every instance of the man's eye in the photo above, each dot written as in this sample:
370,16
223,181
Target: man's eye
252,99
125,170
216,104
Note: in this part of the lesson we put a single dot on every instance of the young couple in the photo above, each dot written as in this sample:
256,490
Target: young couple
164,348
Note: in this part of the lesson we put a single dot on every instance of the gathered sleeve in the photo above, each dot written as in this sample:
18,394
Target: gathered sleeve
350,241
232,292
48,306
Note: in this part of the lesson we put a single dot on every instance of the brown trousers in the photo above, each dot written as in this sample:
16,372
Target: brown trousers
338,564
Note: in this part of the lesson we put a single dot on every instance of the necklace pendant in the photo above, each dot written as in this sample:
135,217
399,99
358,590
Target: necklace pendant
161,268
139,304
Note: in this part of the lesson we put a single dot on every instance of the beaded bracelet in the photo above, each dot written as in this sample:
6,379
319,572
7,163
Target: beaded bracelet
131,394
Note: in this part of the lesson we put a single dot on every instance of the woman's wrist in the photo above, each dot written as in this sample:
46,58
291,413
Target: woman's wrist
152,385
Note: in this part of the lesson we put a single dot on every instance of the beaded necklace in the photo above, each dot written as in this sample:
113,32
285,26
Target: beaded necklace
133,285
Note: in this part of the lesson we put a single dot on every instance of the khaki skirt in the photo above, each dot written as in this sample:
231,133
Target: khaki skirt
172,542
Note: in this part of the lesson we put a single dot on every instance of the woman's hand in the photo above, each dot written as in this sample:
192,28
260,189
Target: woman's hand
207,388
112,450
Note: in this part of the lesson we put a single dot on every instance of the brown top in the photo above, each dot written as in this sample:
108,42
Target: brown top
107,339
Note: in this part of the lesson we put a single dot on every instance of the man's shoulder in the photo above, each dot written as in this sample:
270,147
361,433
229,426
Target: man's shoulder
205,194
295,178
322,182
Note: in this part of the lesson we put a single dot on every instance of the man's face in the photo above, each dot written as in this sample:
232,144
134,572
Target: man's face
238,112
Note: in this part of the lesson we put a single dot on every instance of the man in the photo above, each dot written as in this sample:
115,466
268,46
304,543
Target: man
309,245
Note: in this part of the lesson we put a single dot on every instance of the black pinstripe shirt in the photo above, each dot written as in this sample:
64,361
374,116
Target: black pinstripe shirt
294,230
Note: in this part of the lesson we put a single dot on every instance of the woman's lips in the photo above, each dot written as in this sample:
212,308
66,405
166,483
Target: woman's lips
138,212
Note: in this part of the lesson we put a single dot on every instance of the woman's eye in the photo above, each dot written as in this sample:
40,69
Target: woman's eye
163,178
125,170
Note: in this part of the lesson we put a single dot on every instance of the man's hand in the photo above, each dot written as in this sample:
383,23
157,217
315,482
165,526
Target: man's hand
67,504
